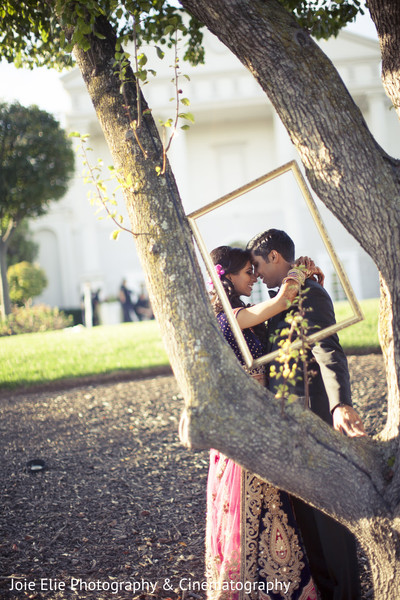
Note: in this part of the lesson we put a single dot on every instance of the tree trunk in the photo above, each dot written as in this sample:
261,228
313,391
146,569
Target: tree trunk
224,407
380,540
386,16
5,303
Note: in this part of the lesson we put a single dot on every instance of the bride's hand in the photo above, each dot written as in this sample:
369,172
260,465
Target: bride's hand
311,270
289,290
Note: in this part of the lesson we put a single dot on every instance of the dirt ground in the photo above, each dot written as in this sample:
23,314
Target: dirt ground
119,510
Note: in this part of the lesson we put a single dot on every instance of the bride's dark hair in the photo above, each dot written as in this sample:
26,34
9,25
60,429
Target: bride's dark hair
232,260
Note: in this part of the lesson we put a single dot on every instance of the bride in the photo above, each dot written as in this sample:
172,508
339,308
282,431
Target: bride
253,547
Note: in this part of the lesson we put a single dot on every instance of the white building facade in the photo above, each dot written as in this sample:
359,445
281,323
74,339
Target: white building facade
237,137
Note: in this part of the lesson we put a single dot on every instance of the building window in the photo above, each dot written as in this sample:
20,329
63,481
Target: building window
336,288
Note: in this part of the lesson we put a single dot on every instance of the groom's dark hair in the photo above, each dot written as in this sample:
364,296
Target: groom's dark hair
273,239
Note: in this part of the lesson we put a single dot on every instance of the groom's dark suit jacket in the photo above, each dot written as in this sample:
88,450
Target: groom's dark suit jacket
331,383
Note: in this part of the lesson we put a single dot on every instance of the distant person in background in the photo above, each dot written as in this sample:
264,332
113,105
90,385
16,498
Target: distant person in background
95,308
143,308
126,302
90,306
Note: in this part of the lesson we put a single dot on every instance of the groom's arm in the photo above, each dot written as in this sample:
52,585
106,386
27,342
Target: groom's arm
328,353
332,362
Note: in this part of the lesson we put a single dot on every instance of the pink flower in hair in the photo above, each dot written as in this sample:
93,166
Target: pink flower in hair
220,271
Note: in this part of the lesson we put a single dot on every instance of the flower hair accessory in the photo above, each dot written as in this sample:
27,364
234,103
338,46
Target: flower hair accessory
220,271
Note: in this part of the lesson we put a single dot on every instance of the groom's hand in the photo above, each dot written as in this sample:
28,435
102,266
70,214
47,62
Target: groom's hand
346,420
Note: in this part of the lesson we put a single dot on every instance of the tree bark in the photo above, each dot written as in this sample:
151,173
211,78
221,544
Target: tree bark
386,16
224,407
5,302
381,541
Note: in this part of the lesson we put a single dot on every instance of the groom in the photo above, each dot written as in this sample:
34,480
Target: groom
330,547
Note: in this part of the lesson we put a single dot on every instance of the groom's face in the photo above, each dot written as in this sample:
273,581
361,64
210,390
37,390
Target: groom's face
269,272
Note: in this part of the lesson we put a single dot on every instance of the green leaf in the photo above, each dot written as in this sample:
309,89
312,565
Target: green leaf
142,60
188,116
169,29
160,53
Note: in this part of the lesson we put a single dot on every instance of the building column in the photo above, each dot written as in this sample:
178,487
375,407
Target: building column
177,156
377,117
288,188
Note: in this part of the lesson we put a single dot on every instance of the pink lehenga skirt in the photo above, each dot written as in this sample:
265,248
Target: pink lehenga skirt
253,549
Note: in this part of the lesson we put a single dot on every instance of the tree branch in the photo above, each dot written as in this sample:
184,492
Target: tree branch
386,17
252,431
5,237
350,173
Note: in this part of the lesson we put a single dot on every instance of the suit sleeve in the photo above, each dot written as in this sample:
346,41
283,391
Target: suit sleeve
328,353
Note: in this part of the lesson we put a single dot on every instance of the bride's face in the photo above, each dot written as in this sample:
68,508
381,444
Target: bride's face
243,280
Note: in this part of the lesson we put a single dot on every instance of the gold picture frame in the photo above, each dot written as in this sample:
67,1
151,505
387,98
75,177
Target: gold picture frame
292,167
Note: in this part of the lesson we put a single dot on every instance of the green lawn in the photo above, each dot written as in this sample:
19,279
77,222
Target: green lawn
34,358
363,336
